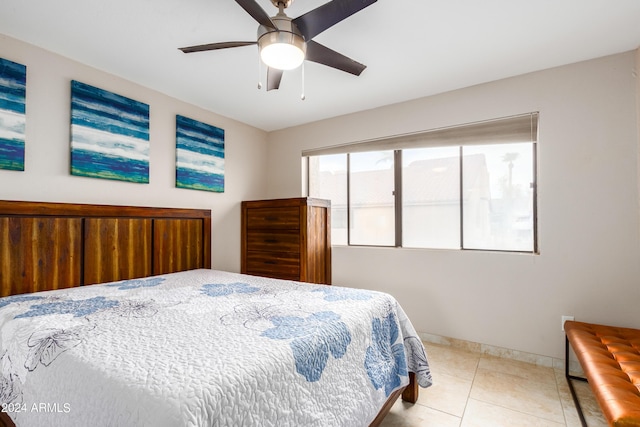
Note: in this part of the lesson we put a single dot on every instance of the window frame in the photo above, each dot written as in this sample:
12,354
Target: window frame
398,141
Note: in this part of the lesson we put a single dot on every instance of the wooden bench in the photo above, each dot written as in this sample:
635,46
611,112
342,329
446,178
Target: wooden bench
610,359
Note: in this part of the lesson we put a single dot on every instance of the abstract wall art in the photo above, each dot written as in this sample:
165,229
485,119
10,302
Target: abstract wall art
13,83
199,155
109,135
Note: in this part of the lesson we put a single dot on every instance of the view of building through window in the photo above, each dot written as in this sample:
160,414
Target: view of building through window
431,197
498,197
471,197
328,180
371,199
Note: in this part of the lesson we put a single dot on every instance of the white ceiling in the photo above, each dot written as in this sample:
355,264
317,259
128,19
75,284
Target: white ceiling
412,48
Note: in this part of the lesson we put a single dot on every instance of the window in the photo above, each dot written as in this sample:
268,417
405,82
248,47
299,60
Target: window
498,197
371,201
431,197
329,181
474,191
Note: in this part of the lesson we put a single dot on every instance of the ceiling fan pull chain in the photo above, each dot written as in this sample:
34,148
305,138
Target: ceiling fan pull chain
302,96
259,72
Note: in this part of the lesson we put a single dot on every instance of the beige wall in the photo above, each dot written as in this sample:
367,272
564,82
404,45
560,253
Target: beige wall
589,234
46,176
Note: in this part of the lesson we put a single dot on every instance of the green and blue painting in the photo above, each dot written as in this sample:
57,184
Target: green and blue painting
199,155
109,135
13,84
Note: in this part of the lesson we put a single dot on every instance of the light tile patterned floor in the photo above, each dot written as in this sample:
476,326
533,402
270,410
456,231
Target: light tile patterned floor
477,390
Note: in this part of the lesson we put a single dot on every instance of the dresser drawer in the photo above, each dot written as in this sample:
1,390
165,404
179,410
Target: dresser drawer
275,241
283,265
269,218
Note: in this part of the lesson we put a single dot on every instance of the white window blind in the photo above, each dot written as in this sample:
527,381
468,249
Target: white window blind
513,129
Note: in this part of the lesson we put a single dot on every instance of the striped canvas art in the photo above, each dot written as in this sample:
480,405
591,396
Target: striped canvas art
109,135
199,155
13,83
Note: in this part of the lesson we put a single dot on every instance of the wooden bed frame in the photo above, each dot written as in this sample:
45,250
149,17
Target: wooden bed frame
45,246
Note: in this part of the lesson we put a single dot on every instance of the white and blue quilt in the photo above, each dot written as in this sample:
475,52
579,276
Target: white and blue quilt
204,348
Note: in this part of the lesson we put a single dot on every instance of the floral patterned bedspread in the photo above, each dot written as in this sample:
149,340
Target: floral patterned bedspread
204,347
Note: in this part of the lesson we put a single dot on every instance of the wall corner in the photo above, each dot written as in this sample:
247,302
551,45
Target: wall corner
636,75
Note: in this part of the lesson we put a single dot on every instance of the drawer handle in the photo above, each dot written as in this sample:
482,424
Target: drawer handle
270,240
271,218
270,262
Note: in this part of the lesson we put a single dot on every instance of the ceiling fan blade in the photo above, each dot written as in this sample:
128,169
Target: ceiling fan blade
258,13
274,76
214,46
323,55
329,14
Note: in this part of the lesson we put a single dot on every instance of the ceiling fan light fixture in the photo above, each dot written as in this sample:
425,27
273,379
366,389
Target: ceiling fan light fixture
283,42
282,50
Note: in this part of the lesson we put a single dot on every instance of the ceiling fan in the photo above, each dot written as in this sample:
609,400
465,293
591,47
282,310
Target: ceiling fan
284,43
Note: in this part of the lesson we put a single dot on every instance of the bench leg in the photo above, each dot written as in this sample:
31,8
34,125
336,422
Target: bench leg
569,378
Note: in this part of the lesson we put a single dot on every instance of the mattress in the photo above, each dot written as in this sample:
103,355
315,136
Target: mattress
204,347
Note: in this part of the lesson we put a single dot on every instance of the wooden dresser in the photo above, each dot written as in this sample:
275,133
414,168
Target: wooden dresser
287,239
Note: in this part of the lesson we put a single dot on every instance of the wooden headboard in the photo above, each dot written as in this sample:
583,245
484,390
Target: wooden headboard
46,246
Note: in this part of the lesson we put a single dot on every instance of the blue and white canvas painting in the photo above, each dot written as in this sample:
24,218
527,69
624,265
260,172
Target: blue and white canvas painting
109,135
13,84
199,155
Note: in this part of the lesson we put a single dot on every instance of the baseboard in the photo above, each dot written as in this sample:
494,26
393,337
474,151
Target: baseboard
492,350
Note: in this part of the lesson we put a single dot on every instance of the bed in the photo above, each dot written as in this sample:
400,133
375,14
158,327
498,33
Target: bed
161,339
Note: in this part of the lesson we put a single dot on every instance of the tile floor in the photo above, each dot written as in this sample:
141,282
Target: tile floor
478,390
